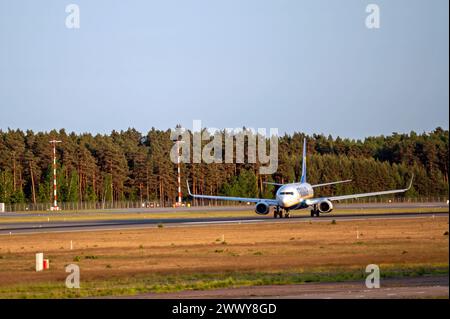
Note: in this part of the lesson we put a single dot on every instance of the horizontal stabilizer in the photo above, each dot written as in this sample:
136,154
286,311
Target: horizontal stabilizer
332,183
270,183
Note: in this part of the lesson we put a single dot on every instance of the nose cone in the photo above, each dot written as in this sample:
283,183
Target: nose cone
286,197
285,201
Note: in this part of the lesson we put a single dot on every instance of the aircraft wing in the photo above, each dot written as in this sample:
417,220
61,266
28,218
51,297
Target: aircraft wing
314,201
271,202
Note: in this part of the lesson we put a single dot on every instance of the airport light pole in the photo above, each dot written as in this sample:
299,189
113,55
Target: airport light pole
179,172
55,197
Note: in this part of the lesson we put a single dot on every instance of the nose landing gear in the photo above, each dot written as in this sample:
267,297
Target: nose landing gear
278,212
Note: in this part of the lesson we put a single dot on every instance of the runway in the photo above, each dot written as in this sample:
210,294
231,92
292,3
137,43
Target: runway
236,208
97,225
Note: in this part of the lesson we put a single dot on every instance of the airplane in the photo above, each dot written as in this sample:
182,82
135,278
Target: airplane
295,196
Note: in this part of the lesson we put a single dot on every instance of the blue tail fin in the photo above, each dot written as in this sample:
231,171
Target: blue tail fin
303,178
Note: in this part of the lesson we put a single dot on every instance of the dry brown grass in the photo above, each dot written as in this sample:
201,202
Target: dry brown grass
292,246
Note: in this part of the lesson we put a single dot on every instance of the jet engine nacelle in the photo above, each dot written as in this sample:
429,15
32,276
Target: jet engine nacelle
262,208
325,206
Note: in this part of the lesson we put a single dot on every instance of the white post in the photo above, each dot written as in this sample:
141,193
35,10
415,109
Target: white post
39,261
2,207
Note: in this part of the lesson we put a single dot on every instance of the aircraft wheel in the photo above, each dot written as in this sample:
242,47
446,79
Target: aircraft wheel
276,213
286,215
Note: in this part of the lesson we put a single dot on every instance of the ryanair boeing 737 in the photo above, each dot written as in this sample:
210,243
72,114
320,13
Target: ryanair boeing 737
300,195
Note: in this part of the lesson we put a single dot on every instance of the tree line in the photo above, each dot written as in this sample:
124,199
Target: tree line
128,165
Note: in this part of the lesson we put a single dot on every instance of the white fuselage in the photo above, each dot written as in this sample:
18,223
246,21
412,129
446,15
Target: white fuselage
291,196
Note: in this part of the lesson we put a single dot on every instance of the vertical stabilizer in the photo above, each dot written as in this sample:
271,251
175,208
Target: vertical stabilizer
303,178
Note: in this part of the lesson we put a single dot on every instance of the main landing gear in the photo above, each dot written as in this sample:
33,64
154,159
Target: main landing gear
315,212
278,212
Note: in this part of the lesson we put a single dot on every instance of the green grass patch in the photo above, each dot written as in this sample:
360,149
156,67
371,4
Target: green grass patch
90,257
162,283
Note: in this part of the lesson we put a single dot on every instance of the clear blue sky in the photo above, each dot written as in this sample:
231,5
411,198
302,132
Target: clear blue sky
309,66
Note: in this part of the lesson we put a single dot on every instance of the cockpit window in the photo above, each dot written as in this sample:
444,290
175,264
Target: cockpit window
286,193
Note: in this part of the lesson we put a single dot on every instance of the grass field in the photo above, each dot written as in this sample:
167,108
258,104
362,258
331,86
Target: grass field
101,215
164,259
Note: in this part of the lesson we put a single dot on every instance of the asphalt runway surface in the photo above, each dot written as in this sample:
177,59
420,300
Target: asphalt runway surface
414,287
215,209
118,224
